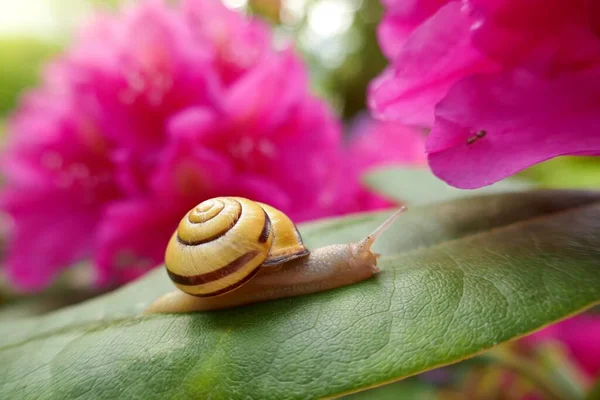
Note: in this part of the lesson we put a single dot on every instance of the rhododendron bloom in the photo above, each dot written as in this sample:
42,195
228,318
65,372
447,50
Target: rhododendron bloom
374,142
149,113
379,143
504,84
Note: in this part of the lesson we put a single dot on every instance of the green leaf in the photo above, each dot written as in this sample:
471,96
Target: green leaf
457,278
420,186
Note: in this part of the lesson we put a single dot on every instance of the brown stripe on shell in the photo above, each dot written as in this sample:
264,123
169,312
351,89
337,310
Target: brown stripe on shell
230,287
278,260
216,235
208,277
264,235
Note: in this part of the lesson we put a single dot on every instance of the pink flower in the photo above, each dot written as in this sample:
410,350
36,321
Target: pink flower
581,335
504,84
376,144
149,113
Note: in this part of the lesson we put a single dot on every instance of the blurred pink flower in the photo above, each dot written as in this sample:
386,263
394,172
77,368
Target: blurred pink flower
373,142
504,84
378,143
149,113
581,335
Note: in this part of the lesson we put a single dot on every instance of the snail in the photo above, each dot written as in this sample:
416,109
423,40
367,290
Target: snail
232,251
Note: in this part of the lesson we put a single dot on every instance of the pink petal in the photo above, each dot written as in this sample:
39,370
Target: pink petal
539,32
413,10
392,35
309,142
193,123
527,119
50,232
375,143
277,79
133,236
131,171
436,55
261,188
239,43
146,76
400,19
582,336
187,168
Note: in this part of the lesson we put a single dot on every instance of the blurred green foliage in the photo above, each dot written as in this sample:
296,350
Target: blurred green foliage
21,59
344,84
363,64
566,172
594,393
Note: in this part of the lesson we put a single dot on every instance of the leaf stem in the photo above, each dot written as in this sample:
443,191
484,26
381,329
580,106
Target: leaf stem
554,356
529,369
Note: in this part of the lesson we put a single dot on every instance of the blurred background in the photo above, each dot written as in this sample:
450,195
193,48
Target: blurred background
337,40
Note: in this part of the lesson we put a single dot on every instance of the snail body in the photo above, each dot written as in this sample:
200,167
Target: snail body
231,251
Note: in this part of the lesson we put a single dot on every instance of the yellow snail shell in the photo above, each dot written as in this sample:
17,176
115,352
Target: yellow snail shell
223,242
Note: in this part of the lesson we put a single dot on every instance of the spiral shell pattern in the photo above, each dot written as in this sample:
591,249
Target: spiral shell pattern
221,243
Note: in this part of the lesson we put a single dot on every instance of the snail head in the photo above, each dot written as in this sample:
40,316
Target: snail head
361,251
